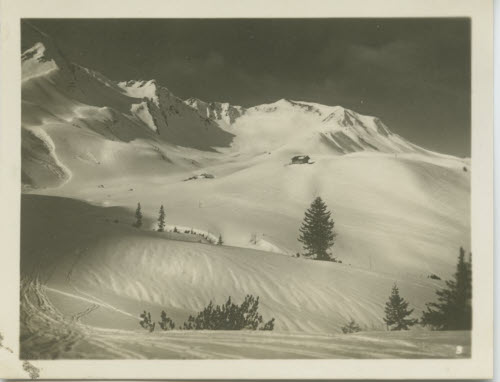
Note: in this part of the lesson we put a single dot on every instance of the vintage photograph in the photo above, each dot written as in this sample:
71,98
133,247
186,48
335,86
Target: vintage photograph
246,189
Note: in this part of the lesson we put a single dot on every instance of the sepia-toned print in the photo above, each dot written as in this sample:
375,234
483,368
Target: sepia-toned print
253,189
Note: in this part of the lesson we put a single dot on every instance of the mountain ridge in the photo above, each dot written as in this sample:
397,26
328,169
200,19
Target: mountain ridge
223,113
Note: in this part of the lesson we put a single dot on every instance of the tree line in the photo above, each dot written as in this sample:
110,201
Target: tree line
161,224
227,316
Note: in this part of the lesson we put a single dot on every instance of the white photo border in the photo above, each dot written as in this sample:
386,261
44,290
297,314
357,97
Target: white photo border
480,365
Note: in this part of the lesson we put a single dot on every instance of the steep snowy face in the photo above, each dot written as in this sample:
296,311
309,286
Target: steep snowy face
140,89
41,56
173,119
297,126
74,119
35,62
221,112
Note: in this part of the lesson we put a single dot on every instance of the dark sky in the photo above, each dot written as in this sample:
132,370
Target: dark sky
412,73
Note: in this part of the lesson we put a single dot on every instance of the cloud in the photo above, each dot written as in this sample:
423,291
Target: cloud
396,57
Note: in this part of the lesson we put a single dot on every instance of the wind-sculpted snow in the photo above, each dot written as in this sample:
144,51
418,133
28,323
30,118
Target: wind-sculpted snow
86,289
131,269
47,334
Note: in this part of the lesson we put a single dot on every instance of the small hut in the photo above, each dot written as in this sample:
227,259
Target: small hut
300,159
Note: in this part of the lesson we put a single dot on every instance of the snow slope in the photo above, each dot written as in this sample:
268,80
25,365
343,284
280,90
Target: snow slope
93,148
399,215
48,334
83,292
297,127
302,127
388,196
130,268
84,113
396,206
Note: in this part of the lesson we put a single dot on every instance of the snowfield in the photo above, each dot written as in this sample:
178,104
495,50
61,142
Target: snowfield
92,149
402,215
93,281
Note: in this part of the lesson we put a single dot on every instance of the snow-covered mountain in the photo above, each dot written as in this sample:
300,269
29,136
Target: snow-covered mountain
63,101
297,126
86,116
304,126
168,116
80,128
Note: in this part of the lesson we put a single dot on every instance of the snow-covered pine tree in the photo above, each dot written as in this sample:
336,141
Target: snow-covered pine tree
220,242
453,310
396,311
316,232
161,219
138,216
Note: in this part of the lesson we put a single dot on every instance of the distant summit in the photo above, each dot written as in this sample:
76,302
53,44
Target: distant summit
217,110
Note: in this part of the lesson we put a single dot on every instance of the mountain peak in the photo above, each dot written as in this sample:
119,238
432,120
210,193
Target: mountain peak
36,61
40,54
218,111
36,52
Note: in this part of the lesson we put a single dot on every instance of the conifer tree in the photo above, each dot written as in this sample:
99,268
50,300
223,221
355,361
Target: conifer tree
351,327
316,232
396,311
166,322
138,216
161,219
453,310
229,316
220,242
146,322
